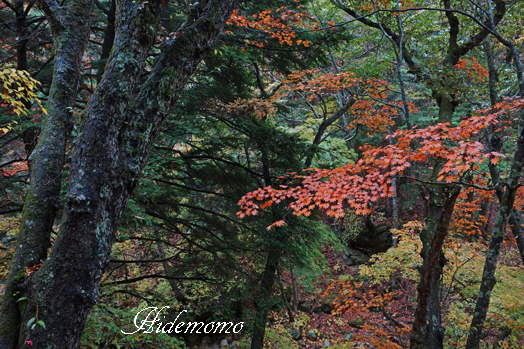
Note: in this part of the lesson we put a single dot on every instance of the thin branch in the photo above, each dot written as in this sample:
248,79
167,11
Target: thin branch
154,276
142,260
11,211
11,162
53,13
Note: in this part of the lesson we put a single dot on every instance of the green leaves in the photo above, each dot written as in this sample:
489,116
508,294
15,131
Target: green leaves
31,323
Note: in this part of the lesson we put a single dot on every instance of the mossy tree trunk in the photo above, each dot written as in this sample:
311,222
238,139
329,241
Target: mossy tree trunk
427,328
70,30
120,124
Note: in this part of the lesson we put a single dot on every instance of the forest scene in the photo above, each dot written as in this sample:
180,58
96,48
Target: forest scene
261,174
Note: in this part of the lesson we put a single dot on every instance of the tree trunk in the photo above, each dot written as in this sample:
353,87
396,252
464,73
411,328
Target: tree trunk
427,329
109,38
46,162
264,294
30,134
295,291
170,271
394,197
515,220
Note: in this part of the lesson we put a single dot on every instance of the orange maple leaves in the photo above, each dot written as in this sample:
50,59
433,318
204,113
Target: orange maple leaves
313,84
277,25
473,69
281,24
359,185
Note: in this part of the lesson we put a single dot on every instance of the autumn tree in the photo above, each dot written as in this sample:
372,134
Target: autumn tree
427,331
360,187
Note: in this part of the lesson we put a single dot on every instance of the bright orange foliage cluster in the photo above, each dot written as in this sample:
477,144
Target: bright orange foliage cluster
361,184
473,69
280,24
345,301
466,218
14,169
314,82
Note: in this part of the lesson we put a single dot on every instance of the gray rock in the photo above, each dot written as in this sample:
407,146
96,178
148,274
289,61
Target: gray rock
326,344
350,336
306,308
354,257
311,335
224,343
296,333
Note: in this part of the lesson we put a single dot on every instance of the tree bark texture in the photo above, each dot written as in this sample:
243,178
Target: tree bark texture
119,126
427,330
70,34
515,218
264,294
109,37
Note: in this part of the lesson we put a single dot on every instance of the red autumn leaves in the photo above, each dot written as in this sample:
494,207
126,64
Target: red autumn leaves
359,185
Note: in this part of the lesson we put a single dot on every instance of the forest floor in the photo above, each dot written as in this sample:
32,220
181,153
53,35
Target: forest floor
380,315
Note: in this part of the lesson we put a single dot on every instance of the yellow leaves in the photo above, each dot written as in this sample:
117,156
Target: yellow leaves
465,263
404,259
9,226
19,88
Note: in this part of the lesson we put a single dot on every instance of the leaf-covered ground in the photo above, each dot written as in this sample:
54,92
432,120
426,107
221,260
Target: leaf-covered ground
372,311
